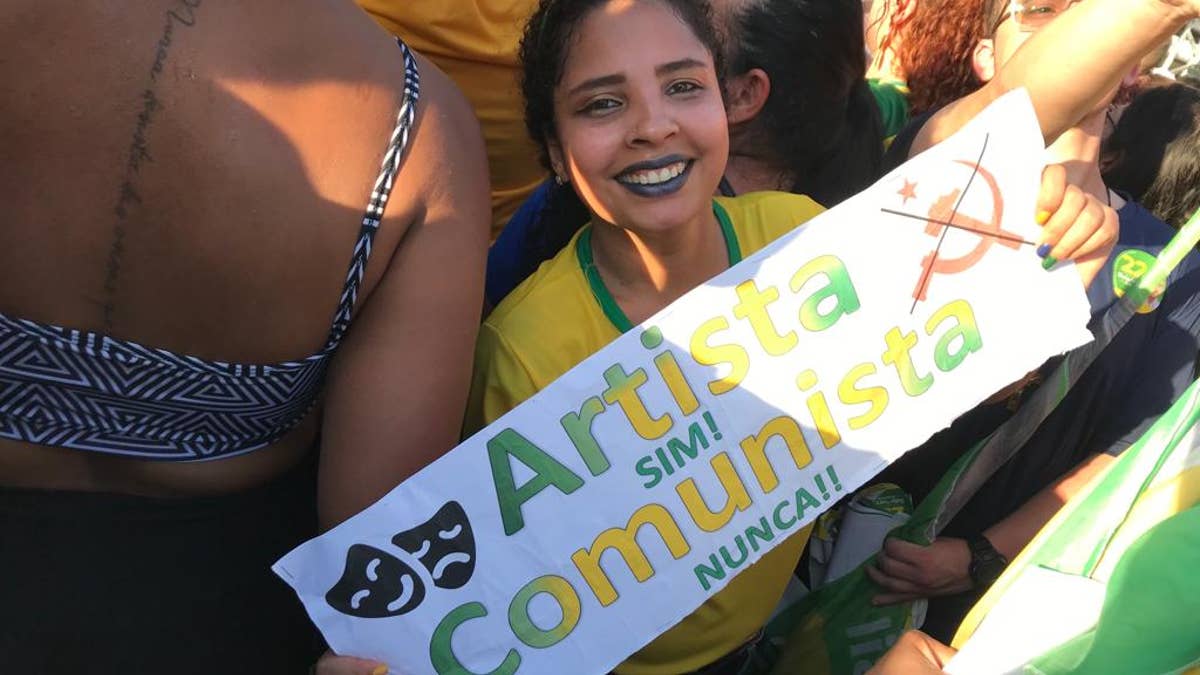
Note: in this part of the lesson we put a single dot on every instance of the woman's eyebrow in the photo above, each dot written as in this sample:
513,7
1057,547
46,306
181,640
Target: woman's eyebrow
596,83
681,64
617,78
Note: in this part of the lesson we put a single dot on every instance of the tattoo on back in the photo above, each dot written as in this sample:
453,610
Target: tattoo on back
180,17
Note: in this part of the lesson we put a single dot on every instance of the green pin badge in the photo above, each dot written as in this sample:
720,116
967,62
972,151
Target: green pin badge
1129,267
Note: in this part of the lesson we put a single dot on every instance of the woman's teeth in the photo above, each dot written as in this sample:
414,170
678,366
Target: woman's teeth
654,177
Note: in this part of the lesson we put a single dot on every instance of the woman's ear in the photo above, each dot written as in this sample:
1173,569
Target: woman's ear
983,60
748,93
557,162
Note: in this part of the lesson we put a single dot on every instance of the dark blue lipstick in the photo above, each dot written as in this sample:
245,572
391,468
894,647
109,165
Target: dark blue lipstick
657,177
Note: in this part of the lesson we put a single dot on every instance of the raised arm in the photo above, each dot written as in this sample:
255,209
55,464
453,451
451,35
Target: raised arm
1070,64
398,385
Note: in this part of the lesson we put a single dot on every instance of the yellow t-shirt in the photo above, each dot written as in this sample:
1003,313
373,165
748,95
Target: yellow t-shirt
553,321
475,43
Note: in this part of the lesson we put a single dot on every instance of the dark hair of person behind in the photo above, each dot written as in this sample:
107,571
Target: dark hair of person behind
549,34
937,50
820,123
1153,154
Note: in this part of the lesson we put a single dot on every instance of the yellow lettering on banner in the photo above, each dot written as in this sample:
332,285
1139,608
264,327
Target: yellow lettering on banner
899,346
964,332
851,394
623,391
730,354
624,541
736,498
819,407
752,306
755,448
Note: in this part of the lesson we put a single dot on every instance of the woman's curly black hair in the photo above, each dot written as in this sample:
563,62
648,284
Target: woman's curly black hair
547,40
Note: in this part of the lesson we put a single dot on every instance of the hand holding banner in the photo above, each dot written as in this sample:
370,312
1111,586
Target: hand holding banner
596,515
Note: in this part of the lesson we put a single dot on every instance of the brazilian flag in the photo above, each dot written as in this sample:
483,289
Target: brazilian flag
1113,581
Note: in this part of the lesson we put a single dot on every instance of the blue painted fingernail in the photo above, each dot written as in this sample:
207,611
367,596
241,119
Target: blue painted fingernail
1048,262
1043,250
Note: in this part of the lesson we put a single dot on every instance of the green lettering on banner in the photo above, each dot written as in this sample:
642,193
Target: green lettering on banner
839,286
579,429
441,652
899,346
704,572
510,444
743,553
780,522
804,502
645,468
696,441
568,602
760,532
964,328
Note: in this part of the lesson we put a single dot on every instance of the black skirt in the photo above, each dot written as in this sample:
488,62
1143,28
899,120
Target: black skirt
105,583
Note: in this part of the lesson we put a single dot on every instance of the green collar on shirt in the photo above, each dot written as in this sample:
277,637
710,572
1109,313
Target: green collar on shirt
587,263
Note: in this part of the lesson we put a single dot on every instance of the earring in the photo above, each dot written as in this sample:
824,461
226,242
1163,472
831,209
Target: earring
559,179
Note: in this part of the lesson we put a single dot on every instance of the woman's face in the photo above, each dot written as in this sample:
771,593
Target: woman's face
640,121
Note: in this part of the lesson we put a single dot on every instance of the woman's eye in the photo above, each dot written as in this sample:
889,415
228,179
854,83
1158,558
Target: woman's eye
600,106
683,87
1040,10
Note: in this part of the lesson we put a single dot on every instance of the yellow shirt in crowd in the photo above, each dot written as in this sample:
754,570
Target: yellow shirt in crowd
475,43
553,321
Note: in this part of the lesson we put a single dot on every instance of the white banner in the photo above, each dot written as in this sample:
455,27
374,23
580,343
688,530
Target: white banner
597,514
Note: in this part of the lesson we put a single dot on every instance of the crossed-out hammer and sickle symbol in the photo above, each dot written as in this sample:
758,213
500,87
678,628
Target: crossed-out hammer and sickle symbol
943,211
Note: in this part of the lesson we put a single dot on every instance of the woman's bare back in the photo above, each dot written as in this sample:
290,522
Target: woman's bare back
191,175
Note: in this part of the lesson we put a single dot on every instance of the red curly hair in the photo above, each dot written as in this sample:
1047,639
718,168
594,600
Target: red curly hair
935,49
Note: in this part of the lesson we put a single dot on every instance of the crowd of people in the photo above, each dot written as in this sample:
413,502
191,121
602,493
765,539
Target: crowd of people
255,307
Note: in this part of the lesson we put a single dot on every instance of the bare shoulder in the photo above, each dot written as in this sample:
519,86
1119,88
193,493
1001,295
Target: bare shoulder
448,149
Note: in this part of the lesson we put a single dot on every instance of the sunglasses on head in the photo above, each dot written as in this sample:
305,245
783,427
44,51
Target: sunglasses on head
1030,15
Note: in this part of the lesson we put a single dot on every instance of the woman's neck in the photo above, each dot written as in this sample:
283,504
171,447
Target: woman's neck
645,272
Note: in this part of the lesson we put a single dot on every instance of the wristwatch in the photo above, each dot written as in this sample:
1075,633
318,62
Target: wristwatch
986,562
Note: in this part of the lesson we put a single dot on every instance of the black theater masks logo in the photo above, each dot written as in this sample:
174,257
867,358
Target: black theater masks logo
445,545
376,584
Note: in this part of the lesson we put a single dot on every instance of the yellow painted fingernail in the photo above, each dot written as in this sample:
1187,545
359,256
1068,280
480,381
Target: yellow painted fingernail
380,670
1043,217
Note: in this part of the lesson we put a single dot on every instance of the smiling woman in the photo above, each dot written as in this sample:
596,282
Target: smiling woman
624,98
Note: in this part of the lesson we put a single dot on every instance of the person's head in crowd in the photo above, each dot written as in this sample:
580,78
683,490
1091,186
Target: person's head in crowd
593,108
935,45
801,119
578,141
1153,154
1008,24
797,100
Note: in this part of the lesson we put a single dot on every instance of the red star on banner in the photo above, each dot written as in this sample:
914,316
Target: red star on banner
909,191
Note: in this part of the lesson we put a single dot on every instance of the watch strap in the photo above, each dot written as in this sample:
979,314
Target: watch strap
986,562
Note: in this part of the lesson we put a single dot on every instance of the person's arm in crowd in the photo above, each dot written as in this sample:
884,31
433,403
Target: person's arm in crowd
398,385
1011,535
907,571
1070,64
915,653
